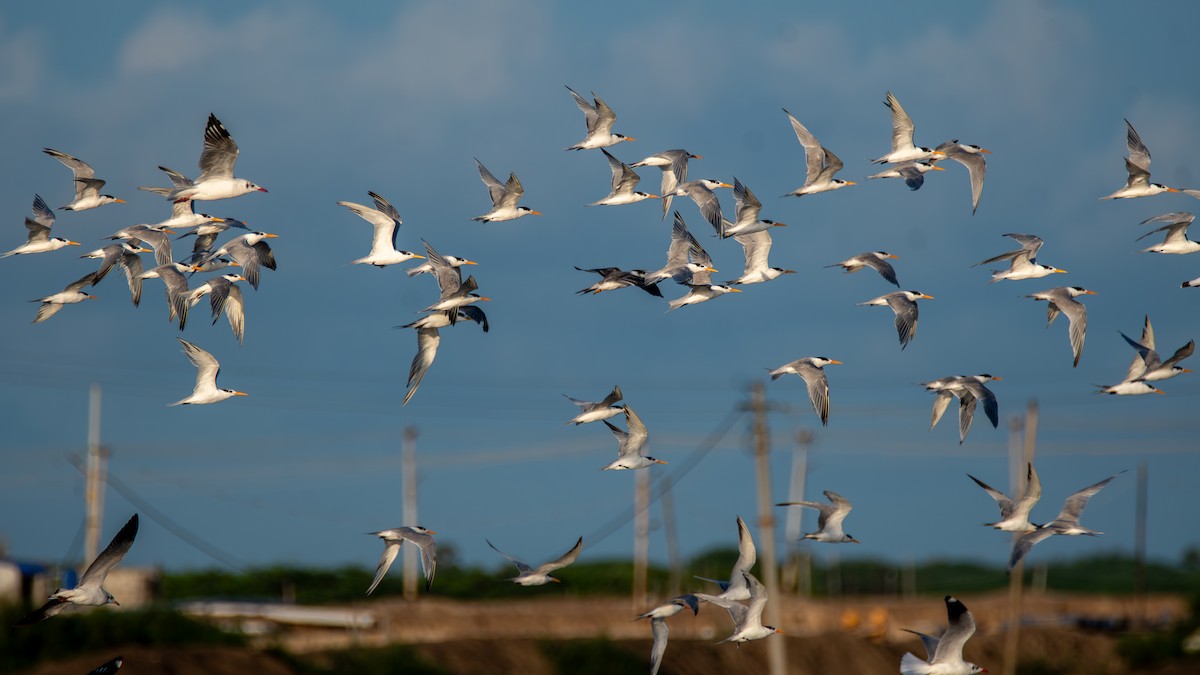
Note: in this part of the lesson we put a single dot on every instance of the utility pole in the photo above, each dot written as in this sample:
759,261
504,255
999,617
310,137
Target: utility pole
408,471
674,562
797,575
776,649
93,494
641,536
1023,448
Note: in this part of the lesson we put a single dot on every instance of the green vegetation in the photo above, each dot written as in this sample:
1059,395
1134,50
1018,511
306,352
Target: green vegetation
77,633
381,661
1108,573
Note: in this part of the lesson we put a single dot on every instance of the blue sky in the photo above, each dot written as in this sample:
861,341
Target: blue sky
327,103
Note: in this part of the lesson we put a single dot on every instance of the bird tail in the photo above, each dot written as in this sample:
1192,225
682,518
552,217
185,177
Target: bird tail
912,665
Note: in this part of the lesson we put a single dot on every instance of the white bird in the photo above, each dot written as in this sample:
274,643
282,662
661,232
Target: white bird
250,251
1067,522
1023,261
90,589
624,182
970,156
904,305
1062,299
747,619
206,234
87,186
820,162
394,538
811,369
970,391
1137,165
698,293
529,576
216,179
658,624
442,319
674,166
386,222
183,214
1147,365
207,369
684,254
70,295
756,248
630,444
829,522
701,192
913,173
1014,514
126,255
454,292
176,286
428,340
156,237
945,653
599,119
1194,283
504,197
427,267
224,297
1175,241
876,260
1126,388
38,239
903,149
737,588
746,209
590,411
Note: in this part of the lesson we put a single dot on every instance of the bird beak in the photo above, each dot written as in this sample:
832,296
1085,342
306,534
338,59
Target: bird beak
711,269
1187,370
1159,391
659,461
119,201
650,196
262,189
91,297
937,168
240,393
985,151
168,231
939,153
431,531
997,378
270,236
927,297
735,290
470,262
1168,190
536,213
850,182
485,299
630,138
892,256
789,271
114,599
418,256
197,268
1060,271
779,631
1089,292
143,249
724,185
556,580
835,361
217,220
72,243
855,540
778,224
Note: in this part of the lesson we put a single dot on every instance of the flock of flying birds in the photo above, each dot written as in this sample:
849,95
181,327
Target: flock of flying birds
687,264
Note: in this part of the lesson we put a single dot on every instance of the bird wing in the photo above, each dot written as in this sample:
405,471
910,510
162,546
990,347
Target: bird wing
110,556
939,407
1033,492
928,641
636,434
882,266
985,396
1139,156
427,345
78,167
1077,314
386,226
77,285
841,508
227,297
391,547
566,559
747,554
521,567
906,317
1180,354
220,152
1074,505
976,171
818,387
814,154
756,248
42,213
207,367
590,114
1025,542
494,186
961,628
53,607
605,118
132,264
681,243
902,124
512,192
613,396
449,278
659,628
746,206
1002,500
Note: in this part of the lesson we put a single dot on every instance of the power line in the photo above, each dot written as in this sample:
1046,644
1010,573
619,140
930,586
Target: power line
167,523
667,482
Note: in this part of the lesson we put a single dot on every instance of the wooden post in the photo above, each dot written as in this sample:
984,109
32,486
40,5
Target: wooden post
1016,579
641,536
408,470
93,494
776,647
